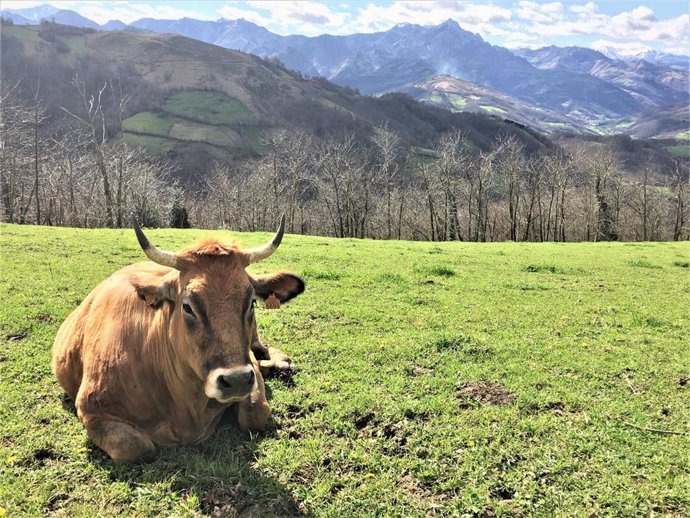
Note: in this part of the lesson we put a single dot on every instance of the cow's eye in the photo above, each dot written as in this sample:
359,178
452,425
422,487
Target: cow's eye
187,309
253,303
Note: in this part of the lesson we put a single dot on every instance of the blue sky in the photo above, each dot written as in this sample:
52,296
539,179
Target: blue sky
623,25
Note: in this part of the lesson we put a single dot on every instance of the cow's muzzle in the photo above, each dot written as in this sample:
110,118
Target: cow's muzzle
229,385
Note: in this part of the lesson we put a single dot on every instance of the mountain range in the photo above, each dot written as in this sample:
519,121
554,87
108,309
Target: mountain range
551,89
196,102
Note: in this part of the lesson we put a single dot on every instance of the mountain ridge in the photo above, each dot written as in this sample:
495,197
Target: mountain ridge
205,102
591,90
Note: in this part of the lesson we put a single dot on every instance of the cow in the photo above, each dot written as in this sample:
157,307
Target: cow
157,352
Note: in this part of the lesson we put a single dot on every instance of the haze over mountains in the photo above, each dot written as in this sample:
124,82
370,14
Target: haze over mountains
550,89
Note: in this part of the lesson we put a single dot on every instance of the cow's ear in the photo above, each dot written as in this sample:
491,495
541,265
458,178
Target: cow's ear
154,289
283,285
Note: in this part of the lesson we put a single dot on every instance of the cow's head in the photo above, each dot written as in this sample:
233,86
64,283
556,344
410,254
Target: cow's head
213,300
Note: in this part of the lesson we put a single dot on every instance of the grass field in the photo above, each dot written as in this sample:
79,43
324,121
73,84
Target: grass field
197,132
150,123
681,150
208,107
193,116
150,142
435,379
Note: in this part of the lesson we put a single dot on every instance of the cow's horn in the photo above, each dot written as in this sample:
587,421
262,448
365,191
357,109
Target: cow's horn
261,253
153,253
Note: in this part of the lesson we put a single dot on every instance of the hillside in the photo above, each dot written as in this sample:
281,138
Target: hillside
463,96
193,98
596,91
407,54
671,122
651,85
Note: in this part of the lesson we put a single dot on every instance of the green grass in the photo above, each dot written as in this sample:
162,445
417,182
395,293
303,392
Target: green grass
685,135
77,48
681,150
197,132
193,116
208,107
454,101
24,32
150,142
150,123
525,383
256,137
492,109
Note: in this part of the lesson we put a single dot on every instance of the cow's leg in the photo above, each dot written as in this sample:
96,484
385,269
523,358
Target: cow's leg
278,362
253,411
270,360
122,442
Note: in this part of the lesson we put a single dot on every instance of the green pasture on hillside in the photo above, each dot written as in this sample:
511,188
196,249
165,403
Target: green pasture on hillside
681,150
197,132
435,379
150,123
194,116
208,107
150,142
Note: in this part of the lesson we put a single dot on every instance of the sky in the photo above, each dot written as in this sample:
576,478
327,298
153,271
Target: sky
623,25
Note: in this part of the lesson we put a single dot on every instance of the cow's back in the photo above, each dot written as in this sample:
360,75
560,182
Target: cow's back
98,335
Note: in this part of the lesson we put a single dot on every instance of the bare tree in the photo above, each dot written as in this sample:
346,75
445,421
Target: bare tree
390,158
93,118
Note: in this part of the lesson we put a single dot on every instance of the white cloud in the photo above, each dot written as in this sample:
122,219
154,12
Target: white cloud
234,13
628,48
19,4
518,23
640,23
481,18
126,11
539,12
309,17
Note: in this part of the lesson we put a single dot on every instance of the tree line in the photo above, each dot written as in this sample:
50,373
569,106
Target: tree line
78,171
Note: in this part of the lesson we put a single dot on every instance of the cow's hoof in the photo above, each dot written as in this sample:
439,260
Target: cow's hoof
279,364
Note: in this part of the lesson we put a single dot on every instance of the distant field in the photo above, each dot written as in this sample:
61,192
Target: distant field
682,150
219,136
449,379
492,109
150,142
208,107
149,122
193,116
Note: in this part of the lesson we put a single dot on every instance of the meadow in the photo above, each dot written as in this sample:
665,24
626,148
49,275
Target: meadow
435,379
193,116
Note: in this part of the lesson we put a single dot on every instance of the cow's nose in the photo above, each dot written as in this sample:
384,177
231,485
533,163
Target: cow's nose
237,379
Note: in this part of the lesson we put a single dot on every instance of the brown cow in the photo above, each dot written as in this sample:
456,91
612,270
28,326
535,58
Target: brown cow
158,351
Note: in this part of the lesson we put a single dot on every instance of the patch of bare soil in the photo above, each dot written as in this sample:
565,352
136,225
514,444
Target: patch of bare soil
410,485
221,502
484,393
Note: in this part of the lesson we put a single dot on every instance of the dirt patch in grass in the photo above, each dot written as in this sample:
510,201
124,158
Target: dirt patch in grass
42,455
422,371
19,335
413,486
224,502
363,420
484,393
467,345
